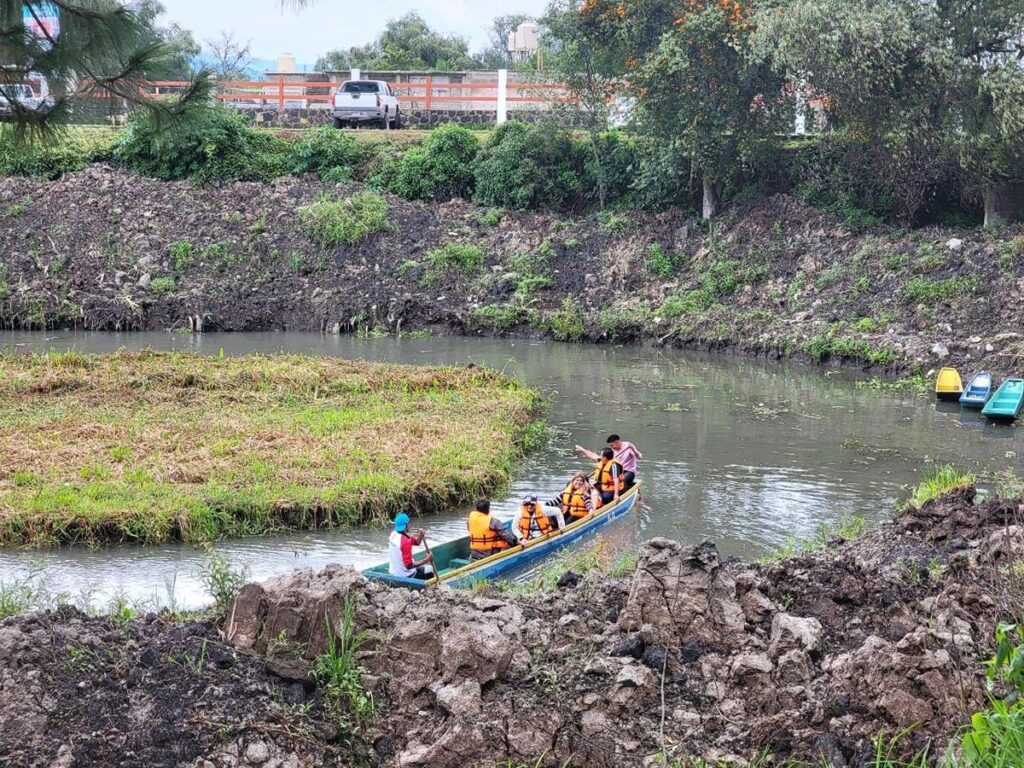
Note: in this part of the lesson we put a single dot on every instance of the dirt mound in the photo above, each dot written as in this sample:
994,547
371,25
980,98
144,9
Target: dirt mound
809,657
106,249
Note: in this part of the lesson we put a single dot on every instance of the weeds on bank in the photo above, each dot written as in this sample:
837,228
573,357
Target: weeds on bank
331,223
340,675
453,258
222,580
937,482
847,527
599,558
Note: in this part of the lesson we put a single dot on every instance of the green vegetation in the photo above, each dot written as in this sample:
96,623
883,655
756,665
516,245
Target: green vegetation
937,482
50,159
231,446
687,303
659,263
995,738
918,384
567,323
501,317
921,290
451,256
339,674
162,285
16,209
491,217
826,346
330,154
222,581
847,527
440,168
331,222
625,323
613,224
182,253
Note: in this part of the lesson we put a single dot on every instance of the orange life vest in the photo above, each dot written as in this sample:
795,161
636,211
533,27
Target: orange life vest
603,480
535,522
481,537
574,503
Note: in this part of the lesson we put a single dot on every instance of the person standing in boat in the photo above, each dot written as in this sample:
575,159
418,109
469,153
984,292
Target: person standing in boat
487,534
626,454
401,560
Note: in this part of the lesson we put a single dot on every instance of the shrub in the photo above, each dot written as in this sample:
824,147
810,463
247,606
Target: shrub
462,256
663,176
659,263
440,168
625,323
937,482
500,317
218,145
724,277
181,252
491,218
613,224
331,222
691,302
222,580
523,166
329,153
828,345
42,159
567,323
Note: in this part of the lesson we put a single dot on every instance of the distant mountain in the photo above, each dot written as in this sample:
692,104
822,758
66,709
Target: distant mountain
256,68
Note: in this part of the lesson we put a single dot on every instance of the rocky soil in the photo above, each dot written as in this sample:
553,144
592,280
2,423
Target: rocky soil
96,250
808,658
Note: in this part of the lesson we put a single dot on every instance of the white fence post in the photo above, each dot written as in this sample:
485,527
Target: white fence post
355,74
502,96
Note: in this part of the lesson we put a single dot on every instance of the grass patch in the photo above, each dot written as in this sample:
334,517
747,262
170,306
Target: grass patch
330,223
162,285
921,290
567,323
339,674
500,317
659,263
937,482
831,344
242,445
847,527
457,256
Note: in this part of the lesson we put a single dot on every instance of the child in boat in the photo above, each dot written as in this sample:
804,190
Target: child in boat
401,560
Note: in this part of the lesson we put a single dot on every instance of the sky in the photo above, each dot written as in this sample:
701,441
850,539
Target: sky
327,24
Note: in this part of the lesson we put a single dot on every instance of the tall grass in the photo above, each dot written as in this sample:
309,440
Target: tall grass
331,222
243,445
340,675
937,482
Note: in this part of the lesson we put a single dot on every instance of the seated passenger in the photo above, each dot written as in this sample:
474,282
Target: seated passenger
488,535
577,500
609,477
400,545
535,520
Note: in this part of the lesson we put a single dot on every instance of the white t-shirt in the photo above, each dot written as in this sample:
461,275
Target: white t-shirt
397,567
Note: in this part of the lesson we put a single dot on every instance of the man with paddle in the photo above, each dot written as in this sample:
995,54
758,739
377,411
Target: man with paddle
400,544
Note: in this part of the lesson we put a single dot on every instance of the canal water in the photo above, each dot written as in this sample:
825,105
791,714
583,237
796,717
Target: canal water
744,452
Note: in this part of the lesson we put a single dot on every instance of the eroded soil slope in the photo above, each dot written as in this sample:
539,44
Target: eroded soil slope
106,249
811,656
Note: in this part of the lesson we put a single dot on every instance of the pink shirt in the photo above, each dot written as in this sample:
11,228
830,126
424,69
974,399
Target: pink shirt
627,456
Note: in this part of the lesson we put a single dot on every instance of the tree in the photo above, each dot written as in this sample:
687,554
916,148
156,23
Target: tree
88,49
231,57
495,55
182,47
690,70
405,43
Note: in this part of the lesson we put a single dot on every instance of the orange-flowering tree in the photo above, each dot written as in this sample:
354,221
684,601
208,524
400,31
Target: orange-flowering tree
689,65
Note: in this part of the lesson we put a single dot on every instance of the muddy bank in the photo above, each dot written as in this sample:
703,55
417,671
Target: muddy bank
809,657
104,249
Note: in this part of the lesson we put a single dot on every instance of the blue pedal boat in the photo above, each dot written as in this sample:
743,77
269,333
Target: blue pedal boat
456,569
978,390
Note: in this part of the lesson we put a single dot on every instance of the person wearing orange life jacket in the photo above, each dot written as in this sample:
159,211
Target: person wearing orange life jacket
578,499
534,519
608,477
487,534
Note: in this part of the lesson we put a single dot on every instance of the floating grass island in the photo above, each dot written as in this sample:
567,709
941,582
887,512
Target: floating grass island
154,446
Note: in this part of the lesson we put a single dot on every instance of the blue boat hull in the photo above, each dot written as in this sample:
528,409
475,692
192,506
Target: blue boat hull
978,391
517,557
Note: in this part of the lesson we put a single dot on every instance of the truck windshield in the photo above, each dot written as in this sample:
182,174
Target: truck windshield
360,87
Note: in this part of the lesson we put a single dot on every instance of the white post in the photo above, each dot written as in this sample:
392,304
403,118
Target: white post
502,96
800,123
355,74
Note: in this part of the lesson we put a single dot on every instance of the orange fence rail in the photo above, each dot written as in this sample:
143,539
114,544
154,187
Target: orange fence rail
280,92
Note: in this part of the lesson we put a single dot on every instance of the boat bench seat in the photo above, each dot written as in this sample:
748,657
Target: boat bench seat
457,562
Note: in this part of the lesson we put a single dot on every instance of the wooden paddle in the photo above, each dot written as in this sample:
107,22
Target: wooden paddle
433,563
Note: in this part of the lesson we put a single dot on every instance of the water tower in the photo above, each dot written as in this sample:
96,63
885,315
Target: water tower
524,42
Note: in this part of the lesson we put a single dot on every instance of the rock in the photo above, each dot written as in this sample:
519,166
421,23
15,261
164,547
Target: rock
974,340
790,632
680,593
794,667
756,606
594,722
144,280
904,708
989,348
257,753
751,664
460,700
940,350
954,244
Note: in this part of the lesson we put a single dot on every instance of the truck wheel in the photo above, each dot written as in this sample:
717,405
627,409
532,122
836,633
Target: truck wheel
338,122
397,125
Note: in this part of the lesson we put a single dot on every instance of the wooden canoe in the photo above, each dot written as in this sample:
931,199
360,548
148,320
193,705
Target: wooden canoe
977,391
457,570
1006,402
948,385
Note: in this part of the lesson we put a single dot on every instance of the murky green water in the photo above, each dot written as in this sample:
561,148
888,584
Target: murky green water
744,452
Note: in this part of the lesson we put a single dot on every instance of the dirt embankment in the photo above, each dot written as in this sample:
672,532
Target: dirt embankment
105,249
810,658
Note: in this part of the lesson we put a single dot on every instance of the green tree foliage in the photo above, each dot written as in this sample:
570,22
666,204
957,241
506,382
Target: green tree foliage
180,44
214,145
440,168
406,43
100,49
495,55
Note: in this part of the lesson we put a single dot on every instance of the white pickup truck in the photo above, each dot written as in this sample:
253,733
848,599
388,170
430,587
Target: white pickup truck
366,101
25,97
